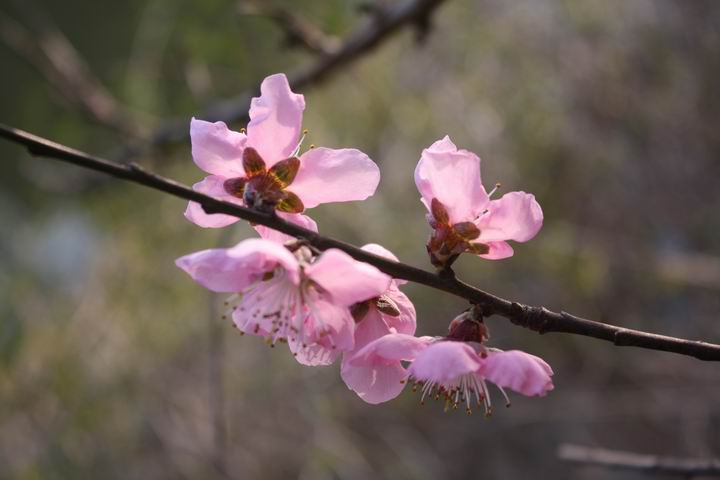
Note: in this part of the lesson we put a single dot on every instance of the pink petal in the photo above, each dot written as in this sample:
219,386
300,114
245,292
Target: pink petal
332,325
345,279
279,237
261,255
445,361
213,270
498,251
217,149
390,348
328,175
314,355
375,383
516,216
453,177
381,251
275,119
213,186
370,328
233,269
519,371
406,322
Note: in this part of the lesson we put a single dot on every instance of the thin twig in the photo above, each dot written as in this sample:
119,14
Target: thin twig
538,319
385,21
687,467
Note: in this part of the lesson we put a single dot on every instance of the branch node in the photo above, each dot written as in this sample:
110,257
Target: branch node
533,318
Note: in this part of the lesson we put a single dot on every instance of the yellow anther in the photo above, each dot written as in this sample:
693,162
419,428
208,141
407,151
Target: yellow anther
312,145
242,130
305,132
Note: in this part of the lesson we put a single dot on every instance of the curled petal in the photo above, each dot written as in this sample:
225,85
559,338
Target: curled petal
298,219
394,347
233,269
328,175
375,383
452,177
516,216
445,361
275,119
497,251
212,185
519,371
345,279
217,149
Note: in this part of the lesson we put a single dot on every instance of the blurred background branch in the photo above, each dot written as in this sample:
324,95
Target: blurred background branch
298,31
647,464
45,47
386,19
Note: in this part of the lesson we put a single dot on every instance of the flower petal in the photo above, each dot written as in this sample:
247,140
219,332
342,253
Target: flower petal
406,322
370,328
233,269
217,149
381,251
516,216
445,361
375,383
213,186
519,371
393,347
297,218
498,251
451,176
328,175
275,119
212,270
314,355
345,279
333,326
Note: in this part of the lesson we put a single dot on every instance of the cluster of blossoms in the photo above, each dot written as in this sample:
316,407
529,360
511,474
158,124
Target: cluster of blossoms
327,305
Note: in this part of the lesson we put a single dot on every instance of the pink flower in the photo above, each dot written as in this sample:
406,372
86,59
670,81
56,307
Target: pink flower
285,296
391,312
460,211
458,371
262,168
375,372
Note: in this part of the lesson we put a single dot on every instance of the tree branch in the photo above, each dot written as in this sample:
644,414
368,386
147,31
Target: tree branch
299,32
538,319
644,463
381,25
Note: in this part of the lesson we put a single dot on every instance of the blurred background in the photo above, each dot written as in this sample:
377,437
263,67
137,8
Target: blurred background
114,364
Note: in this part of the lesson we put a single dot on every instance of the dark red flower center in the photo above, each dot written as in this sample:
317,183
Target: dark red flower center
263,188
450,240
